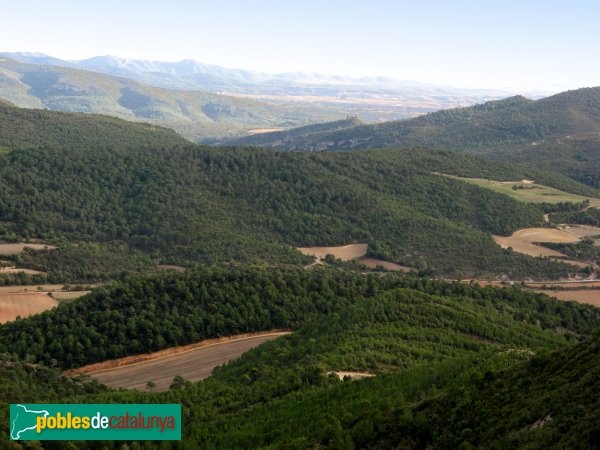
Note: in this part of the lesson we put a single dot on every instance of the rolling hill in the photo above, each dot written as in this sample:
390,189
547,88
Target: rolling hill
484,128
453,363
27,128
196,115
558,133
110,208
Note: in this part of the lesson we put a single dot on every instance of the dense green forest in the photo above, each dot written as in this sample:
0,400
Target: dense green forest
26,128
447,364
434,346
196,205
114,201
146,314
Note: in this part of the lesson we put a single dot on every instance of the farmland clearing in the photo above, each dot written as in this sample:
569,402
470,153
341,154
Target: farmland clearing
193,362
343,252
373,263
17,270
524,241
529,191
24,304
582,231
351,252
587,296
12,249
32,299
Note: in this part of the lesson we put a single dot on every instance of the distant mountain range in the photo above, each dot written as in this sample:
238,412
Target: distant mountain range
305,97
560,133
197,115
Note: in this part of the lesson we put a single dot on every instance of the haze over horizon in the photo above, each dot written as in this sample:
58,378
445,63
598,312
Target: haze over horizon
509,45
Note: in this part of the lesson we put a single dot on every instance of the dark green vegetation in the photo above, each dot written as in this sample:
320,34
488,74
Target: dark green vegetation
143,315
584,250
550,402
196,205
195,114
25,128
589,216
559,133
112,206
440,351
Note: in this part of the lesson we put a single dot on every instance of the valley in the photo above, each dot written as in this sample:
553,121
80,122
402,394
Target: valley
260,288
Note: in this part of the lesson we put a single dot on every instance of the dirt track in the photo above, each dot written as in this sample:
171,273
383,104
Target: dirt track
194,364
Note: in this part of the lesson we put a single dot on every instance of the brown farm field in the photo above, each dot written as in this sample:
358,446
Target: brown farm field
343,252
24,304
16,248
68,295
372,263
193,362
523,241
565,284
588,296
582,231
16,270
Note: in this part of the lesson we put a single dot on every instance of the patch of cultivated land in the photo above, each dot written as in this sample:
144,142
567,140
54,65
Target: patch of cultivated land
588,296
343,252
392,267
16,270
16,248
582,231
23,304
566,284
68,295
171,267
529,191
193,362
523,241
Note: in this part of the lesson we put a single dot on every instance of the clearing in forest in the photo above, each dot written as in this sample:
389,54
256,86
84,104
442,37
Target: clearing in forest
7,249
523,241
193,362
24,304
529,191
588,296
343,252
373,263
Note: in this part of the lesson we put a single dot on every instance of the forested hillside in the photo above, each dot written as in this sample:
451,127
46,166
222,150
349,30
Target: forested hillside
558,133
438,351
196,205
25,128
481,128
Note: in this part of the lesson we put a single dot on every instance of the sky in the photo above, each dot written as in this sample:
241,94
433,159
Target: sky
549,45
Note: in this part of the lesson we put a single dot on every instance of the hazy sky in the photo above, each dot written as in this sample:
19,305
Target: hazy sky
550,44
